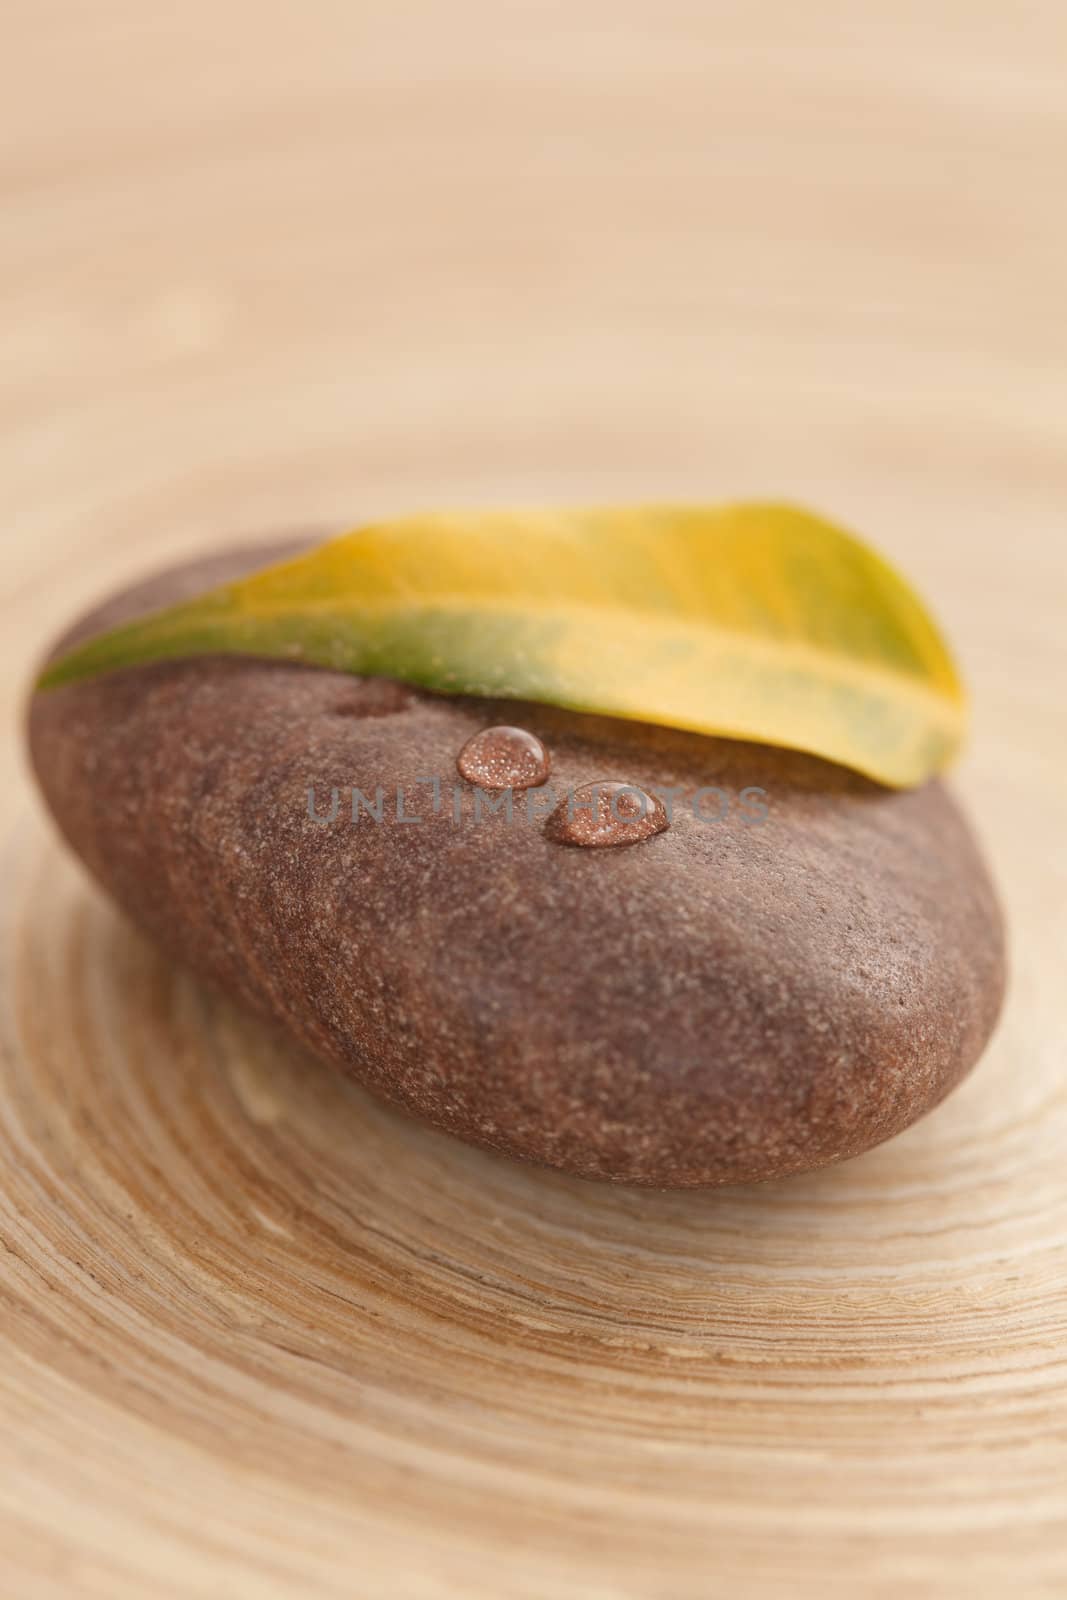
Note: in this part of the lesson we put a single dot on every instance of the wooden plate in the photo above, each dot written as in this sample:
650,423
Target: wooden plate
259,1337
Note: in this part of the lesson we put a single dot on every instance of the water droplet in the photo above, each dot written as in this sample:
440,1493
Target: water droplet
607,813
374,697
504,758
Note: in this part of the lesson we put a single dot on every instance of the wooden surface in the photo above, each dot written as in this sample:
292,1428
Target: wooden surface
264,265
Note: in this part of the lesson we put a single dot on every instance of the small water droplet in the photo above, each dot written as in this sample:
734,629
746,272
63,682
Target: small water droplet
607,813
504,758
374,697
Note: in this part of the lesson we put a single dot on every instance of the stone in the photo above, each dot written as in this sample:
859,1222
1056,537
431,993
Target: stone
759,989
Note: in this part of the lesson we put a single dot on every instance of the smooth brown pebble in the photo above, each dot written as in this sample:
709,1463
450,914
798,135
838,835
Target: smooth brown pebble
606,813
504,758
728,1002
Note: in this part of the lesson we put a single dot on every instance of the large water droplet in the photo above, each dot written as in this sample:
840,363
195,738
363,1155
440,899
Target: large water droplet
504,758
607,813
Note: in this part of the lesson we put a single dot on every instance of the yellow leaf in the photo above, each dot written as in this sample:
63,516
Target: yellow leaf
757,622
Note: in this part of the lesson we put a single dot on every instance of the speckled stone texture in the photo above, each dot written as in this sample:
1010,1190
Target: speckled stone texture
726,1001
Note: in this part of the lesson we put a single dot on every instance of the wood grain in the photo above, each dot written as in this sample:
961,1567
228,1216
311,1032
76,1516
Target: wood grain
266,265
